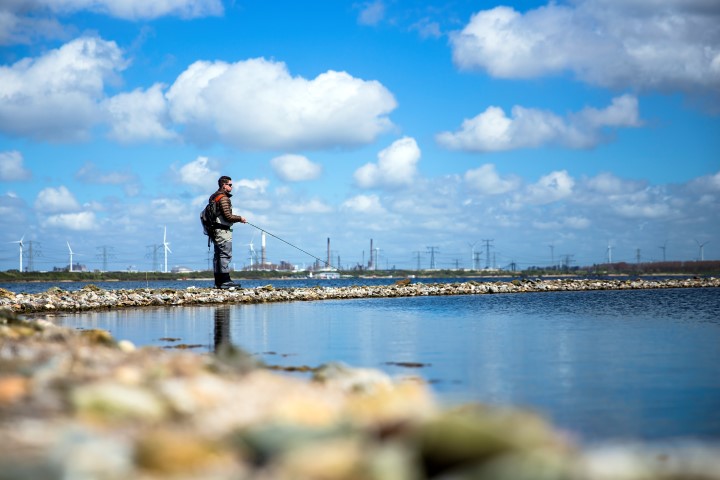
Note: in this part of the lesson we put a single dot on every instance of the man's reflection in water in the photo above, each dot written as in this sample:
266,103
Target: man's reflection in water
222,327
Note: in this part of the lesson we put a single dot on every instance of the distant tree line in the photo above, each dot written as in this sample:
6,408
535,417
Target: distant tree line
705,267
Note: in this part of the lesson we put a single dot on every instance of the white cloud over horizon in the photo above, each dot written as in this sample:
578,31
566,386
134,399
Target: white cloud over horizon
493,131
79,221
253,104
574,212
605,42
549,188
487,181
396,166
369,204
12,168
139,116
257,104
295,168
58,199
199,173
259,184
57,95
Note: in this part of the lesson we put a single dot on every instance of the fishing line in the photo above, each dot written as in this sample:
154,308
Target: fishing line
294,246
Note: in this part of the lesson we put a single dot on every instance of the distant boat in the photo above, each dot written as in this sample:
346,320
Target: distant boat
325,275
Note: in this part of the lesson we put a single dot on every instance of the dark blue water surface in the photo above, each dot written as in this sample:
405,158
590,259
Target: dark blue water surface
605,365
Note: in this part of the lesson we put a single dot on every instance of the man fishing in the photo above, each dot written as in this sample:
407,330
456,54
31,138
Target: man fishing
222,234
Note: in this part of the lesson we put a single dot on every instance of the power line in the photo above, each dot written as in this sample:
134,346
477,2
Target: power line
487,252
432,256
417,255
104,255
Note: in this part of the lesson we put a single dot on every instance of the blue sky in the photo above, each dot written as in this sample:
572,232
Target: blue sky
562,131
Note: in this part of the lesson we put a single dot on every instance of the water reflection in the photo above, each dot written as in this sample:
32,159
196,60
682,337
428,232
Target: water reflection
605,364
221,331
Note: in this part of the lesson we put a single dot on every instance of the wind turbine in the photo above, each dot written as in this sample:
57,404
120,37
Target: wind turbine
702,246
71,254
20,242
252,253
166,247
472,254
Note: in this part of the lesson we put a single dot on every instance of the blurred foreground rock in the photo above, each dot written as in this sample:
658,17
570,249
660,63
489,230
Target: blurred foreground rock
79,405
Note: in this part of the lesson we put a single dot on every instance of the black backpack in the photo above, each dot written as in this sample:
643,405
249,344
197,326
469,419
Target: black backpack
209,215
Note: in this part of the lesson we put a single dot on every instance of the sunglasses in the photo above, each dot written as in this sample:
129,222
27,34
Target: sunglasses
229,184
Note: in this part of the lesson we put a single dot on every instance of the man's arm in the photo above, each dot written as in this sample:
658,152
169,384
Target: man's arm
226,210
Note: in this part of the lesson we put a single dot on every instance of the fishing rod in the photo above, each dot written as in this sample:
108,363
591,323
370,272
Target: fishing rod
285,241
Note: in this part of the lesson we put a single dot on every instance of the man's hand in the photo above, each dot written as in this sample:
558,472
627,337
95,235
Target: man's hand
243,220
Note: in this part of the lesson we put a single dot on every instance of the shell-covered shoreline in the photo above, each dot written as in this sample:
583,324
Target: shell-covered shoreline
92,298
77,405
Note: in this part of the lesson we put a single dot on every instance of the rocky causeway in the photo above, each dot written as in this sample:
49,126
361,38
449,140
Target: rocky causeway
77,404
91,297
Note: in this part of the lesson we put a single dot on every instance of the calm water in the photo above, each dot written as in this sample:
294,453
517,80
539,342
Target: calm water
604,365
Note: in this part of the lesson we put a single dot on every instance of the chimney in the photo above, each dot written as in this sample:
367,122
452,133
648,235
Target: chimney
328,253
370,263
262,256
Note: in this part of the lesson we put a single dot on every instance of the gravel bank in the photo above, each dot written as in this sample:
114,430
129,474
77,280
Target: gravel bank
77,405
92,297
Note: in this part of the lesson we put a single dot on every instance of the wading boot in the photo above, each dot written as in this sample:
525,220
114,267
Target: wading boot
227,283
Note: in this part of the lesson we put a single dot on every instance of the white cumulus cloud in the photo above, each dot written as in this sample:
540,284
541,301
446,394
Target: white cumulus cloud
56,96
492,130
139,115
487,181
708,183
81,221
199,173
550,188
646,44
396,166
12,168
295,168
256,104
364,204
606,184
56,200
259,184
647,210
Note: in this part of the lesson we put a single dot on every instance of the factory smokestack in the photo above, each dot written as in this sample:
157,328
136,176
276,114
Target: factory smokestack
262,255
370,263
